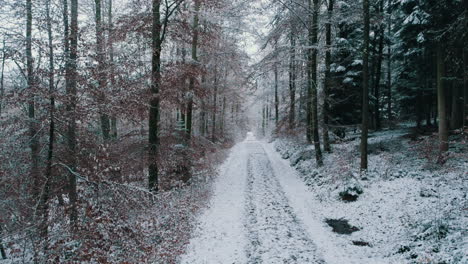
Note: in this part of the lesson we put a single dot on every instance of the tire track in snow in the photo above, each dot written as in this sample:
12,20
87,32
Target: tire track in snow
275,233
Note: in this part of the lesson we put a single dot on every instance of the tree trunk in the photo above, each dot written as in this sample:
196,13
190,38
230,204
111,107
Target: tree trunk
465,82
2,249
71,106
313,41
389,63
113,128
372,70
365,87
263,120
203,112
455,116
101,75
31,82
202,118
428,110
465,72
154,101
378,73
441,99
292,78
327,82
192,78
44,207
2,87
276,95
215,107
308,86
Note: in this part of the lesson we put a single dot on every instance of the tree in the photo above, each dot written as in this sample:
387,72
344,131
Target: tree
215,104
379,59
275,72
71,90
31,82
312,77
101,70
113,121
158,34
192,78
389,61
2,87
327,79
365,86
154,101
44,207
441,99
292,74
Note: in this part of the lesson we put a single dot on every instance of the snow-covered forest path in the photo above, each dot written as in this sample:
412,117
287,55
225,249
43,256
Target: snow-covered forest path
258,213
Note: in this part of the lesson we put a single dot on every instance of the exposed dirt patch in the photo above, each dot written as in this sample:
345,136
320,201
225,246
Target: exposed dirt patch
361,243
341,226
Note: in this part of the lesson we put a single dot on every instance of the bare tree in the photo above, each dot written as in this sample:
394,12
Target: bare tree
31,81
101,70
72,82
327,81
312,77
2,87
365,86
158,34
192,78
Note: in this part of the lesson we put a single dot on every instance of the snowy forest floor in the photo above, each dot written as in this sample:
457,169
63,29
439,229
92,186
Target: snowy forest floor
271,205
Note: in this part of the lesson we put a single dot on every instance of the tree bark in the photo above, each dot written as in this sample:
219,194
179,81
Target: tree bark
465,72
313,41
31,82
113,122
365,87
203,111
465,82
71,106
456,111
2,87
292,77
327,81
378,73
192,78
2,248
308,86
276,95
389,62
154,101
441,99
44,206
101,74
215,107
223,116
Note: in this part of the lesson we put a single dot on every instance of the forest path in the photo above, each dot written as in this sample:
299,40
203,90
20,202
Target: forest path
251,219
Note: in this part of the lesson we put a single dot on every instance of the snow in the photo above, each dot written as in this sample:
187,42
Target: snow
305,204
220,235
265,211
250,219
347,80
356,62
421,37
409,212
340,69
417,17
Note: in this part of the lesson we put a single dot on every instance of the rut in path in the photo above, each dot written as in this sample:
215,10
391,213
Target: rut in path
275,233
